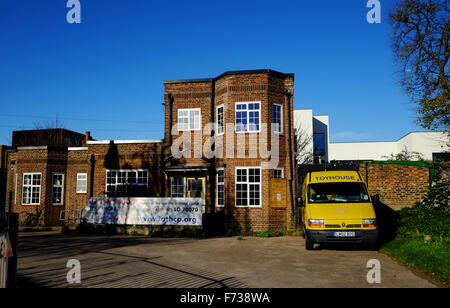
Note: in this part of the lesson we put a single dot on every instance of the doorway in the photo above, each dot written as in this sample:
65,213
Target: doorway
196,189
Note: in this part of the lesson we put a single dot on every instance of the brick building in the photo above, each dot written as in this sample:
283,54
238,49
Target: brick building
228,140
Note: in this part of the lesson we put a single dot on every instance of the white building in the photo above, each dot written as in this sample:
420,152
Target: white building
313,130
316,131
424,143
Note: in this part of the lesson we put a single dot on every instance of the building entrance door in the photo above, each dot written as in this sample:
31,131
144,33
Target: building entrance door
196,189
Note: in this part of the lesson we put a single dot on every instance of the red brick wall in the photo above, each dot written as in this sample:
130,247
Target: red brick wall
229,89
69,163
397,185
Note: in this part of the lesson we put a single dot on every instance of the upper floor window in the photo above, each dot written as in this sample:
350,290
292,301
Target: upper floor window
31,190
189,119
277,118
248,117
220,120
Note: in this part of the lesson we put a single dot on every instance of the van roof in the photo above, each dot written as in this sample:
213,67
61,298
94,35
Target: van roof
334,176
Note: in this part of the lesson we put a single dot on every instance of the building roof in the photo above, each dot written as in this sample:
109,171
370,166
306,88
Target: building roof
230,73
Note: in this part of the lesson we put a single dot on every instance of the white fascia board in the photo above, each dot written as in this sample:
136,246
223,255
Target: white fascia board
124,141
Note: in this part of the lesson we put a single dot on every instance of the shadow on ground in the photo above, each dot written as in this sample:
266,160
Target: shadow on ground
110,262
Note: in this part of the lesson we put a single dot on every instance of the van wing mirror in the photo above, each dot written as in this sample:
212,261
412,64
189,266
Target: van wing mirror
301,202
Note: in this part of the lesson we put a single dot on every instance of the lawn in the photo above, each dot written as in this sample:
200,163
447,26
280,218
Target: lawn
423,241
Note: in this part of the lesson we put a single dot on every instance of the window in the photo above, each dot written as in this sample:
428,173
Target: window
319,144
220,187
248,187
189,119
248,117
81,183
177,187
340,192
278,173
220,120
31,190
126,183
57,188
277,118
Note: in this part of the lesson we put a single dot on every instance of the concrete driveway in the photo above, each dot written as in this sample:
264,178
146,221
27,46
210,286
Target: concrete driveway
121,261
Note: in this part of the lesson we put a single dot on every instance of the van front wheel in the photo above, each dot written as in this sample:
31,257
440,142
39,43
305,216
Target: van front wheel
309,245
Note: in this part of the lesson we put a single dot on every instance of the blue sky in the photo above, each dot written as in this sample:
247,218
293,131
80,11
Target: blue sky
106,74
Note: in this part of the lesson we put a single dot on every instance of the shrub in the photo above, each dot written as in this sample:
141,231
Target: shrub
438,196
419,221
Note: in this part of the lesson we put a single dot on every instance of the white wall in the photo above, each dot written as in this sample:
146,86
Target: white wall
361,150
425,143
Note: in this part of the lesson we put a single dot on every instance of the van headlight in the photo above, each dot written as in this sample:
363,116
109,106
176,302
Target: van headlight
316,223
369,223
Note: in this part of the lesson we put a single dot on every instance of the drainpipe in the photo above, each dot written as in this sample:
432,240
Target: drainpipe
212,162
169,145
92,161
291,164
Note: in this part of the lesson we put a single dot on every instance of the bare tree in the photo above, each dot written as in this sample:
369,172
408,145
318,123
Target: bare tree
49,124
421,32
42,134
303,146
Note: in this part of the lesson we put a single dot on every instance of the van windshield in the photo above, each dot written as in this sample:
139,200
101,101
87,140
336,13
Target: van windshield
337,193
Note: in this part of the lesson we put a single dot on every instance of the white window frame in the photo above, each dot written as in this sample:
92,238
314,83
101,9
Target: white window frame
189,111
84,191
282,173
217,188
248,117
248,187
61,186
126,178
184,186
220,133
281,119
32,186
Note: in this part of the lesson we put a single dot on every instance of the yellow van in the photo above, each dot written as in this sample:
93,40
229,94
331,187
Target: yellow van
336,208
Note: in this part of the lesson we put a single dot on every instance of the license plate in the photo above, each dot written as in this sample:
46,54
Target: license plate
344,234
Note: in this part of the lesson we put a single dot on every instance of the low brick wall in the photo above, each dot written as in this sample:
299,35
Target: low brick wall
398,185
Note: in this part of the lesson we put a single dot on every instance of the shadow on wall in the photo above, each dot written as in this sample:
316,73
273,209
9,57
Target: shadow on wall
388,222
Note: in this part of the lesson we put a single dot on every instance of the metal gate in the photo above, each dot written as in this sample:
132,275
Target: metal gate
8,246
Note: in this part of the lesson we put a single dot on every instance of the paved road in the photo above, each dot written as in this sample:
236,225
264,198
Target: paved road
121,261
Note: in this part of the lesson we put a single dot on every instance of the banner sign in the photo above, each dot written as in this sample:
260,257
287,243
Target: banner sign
145,211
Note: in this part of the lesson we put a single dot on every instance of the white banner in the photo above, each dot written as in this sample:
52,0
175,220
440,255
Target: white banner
145,211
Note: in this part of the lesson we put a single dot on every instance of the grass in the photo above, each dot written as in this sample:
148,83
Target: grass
432,258
276,233
36,229
422,241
